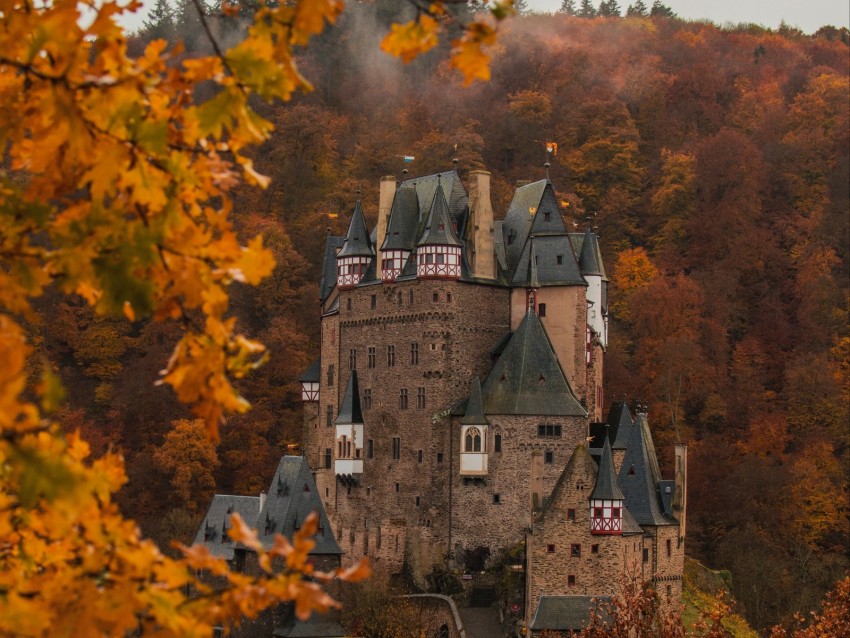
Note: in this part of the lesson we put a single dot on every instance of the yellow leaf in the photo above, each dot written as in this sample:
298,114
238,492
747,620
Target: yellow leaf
406,41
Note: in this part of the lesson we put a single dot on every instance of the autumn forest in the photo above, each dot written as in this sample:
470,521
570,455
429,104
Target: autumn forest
715,163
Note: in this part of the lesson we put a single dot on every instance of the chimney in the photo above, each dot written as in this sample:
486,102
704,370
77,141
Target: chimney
680,491
262,500
385,202
483,253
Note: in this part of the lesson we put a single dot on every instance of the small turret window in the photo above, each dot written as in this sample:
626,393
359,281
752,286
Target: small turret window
472,440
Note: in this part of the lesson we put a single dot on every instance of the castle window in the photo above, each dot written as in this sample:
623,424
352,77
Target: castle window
370,362
571,514
420,456
547,217
402,399
541,310
374,302
348,303
400,298
439,457
370,449
352,359
441,258
575,550
327,458
597,512
497,498
414,354
329,416
615,512
435,296
410,296
632,470
550,549
669,591
417,501
549,431
448,297
390,356
594,549
559,259
571,581
367,399
420,398
472,440
645,555
396,448
549,457
397,489
368,491
497,443
331,376
669,548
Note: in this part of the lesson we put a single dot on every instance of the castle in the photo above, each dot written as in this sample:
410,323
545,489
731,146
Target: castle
457,402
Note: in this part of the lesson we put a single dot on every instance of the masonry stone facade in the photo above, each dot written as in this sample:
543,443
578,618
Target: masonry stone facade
460,400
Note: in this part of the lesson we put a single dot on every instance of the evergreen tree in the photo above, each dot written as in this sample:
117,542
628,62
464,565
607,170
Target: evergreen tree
610,9
521,7
587,10
568,7
661,10
638,10
160,22
188,24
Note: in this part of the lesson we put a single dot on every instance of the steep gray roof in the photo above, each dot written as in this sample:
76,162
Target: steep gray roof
564,613
313,373
517,222
328,281
357,240
213,529
403,224
579,457
590,258
606,487
620,421
456,195
292,496
474,408
527,378
547,249
439,227
349,409
640,475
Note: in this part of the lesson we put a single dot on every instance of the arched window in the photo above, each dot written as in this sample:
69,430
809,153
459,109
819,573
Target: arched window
472,441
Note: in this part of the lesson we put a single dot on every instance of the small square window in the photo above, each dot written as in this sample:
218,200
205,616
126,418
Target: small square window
559,259
547,217
594,549
615,512
571,514
575,550
439,457
435,296
549,457
597,512
571,581
497,498
449,297
541,310
550,549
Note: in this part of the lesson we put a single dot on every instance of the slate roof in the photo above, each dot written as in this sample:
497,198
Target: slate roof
564,613
639,477
349,409
474,414
606,487
403,224
547,249
579,457
439,225
292,496
313,373
517,222
620,420
213,529
357,241
527,378
456,195
328,281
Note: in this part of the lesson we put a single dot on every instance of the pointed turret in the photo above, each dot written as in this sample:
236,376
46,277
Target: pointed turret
356,253
620,419
593,271
349,432
438,248
400,238
639,477
475,407
606,501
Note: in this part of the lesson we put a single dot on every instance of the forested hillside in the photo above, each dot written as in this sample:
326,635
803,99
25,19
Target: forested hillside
716,164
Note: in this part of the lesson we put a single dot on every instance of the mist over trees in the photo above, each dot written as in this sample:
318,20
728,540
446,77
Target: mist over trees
713,160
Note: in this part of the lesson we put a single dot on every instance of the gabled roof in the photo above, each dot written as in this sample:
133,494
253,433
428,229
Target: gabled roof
213,529
456,195
349,409
639,477
606,487
313,373
580,459
439,227
326,285
590,258
357,240
547,250
527,378
404,221
547,218
620,420
474,407
292,496
565,613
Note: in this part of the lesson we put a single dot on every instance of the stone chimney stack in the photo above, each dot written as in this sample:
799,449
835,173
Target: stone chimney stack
262,500
680,491
483,252
385,203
